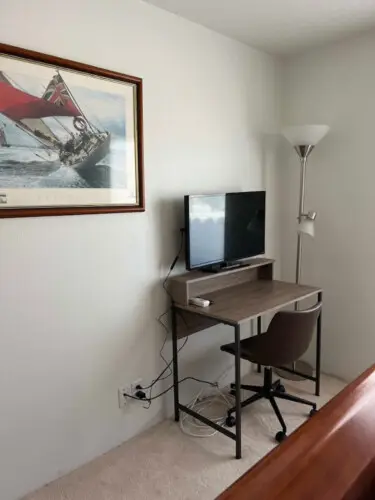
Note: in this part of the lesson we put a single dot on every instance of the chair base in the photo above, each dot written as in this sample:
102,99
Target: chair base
270,391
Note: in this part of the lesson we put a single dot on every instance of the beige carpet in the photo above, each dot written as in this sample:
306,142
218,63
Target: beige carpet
163,463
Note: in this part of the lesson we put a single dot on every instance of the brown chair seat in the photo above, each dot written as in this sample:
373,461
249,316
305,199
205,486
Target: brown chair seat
256,349
260,350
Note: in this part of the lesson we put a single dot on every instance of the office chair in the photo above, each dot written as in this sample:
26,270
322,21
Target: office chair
286,340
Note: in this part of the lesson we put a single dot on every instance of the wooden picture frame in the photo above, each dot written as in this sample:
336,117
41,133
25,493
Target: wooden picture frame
71,137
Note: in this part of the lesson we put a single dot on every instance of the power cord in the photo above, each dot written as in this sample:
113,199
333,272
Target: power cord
161,322
175,260
167,367
140,395
198,404
168,364
159,319
212,384
160,377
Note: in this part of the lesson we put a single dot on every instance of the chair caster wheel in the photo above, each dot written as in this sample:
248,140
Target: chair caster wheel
230,421
232,392
280,388
313,411
280,436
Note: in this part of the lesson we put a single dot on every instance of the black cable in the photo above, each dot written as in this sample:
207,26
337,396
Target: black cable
175,260
212,384
165,369
164,342
160,377
166,338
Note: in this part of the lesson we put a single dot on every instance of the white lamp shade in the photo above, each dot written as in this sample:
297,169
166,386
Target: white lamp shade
305,135
307,226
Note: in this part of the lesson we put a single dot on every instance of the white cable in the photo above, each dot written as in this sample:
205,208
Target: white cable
200,404
200,407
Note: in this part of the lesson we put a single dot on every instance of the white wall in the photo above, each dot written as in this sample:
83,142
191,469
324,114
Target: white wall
79,295
335,85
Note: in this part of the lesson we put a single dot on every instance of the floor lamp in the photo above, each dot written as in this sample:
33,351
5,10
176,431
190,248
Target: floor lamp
303,138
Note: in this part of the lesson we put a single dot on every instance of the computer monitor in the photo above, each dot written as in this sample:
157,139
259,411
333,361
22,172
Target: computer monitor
222,229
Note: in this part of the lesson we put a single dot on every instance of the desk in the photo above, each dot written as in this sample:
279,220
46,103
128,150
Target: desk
234,305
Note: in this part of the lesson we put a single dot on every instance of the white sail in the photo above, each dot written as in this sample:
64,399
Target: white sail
40,129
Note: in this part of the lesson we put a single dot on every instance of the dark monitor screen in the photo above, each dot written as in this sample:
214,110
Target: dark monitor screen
224,227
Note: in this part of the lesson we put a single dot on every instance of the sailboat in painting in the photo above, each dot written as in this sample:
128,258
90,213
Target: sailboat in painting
84,144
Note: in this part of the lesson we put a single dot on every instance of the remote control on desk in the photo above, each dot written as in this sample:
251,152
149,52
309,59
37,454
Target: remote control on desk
197,301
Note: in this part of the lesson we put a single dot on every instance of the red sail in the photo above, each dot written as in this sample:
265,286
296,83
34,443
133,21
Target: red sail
16,105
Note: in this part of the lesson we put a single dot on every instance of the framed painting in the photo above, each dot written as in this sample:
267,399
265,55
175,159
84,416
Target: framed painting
71,138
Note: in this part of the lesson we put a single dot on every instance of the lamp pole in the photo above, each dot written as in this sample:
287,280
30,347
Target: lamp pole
303,138
303,153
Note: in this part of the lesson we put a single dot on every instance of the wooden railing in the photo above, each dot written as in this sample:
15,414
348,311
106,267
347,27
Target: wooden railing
330,457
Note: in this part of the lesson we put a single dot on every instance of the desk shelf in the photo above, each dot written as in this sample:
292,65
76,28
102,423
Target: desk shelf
199,283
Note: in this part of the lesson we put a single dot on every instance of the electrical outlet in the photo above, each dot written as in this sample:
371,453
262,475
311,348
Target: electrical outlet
133,386
122,399
130,389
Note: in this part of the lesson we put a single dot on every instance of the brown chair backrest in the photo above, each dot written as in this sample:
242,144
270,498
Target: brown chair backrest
290,334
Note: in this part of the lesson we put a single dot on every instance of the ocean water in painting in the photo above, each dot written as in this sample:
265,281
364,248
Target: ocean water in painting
58,133
37,168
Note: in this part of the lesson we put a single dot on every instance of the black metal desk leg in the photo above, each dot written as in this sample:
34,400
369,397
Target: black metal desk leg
238,388
318,348
259,331
175,365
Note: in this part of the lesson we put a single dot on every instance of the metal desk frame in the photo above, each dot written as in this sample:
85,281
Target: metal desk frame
236,327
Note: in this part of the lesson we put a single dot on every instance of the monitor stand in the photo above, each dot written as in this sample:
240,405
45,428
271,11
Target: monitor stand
223,266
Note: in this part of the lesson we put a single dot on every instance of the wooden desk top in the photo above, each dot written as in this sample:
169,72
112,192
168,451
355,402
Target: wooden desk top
237,304
330,457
